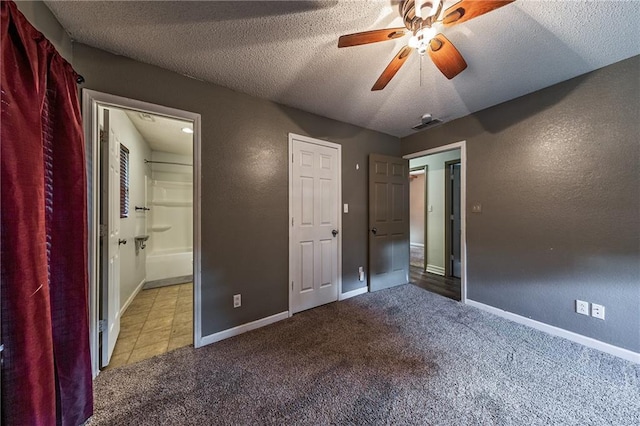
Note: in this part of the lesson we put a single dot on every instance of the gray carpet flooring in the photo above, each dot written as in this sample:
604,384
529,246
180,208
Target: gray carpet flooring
398,356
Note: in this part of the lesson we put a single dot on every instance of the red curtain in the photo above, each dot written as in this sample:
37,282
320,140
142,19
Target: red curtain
46,376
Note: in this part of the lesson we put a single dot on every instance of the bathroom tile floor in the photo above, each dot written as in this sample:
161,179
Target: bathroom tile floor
157,321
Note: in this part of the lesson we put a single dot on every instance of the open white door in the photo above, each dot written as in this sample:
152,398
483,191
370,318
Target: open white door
314,250
109,240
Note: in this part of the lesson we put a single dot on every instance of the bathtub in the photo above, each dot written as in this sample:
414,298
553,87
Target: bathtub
170,230
165,265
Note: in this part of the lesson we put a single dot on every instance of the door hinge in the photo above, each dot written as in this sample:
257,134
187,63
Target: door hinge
452,257
292,221
1,348
291,285
292,158
103,230
102,138
102,326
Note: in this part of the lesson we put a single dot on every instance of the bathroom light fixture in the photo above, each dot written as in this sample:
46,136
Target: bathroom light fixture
146,117
187,130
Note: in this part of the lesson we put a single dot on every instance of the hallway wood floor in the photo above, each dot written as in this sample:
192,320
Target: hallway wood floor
444,286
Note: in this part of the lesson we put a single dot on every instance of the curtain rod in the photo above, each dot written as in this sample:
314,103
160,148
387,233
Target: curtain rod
167,162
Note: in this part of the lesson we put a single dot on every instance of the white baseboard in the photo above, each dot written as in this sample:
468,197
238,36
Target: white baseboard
560,332
133,296
225,334
417,244
353,293
435,269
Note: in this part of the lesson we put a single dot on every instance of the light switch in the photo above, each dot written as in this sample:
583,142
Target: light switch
476,208
346,208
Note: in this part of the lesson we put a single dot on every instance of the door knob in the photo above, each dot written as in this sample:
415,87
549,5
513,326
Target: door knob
334,232
374,230
121,241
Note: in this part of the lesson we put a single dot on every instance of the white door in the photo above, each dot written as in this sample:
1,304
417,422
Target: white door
110,240
314,251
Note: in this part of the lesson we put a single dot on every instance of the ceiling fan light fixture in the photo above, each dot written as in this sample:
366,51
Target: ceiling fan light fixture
420,39
429,33
426,8
421,17
414,42
418,8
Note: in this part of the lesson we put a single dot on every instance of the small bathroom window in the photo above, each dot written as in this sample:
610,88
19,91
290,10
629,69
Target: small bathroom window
124,181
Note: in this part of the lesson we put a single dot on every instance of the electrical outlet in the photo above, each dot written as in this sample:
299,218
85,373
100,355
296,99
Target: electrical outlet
597,311
237,300
360,273
582,307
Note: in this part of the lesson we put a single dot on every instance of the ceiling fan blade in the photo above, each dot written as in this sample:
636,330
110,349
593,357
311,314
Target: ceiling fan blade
392,68
469,9
446,57
371,36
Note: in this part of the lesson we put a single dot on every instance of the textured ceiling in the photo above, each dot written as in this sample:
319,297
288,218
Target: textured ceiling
287,51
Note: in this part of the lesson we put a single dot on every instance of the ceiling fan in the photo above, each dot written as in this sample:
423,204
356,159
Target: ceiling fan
419,18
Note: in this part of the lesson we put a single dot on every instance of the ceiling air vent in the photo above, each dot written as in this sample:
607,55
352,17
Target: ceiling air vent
426,122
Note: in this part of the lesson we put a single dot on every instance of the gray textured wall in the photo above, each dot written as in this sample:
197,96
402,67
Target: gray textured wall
39,15
558,175
557,172
245,182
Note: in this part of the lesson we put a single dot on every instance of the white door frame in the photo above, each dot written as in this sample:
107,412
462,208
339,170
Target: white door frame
320,142
91,99
462,146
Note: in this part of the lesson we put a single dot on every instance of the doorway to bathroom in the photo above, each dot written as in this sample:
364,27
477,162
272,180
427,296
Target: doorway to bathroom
143,167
